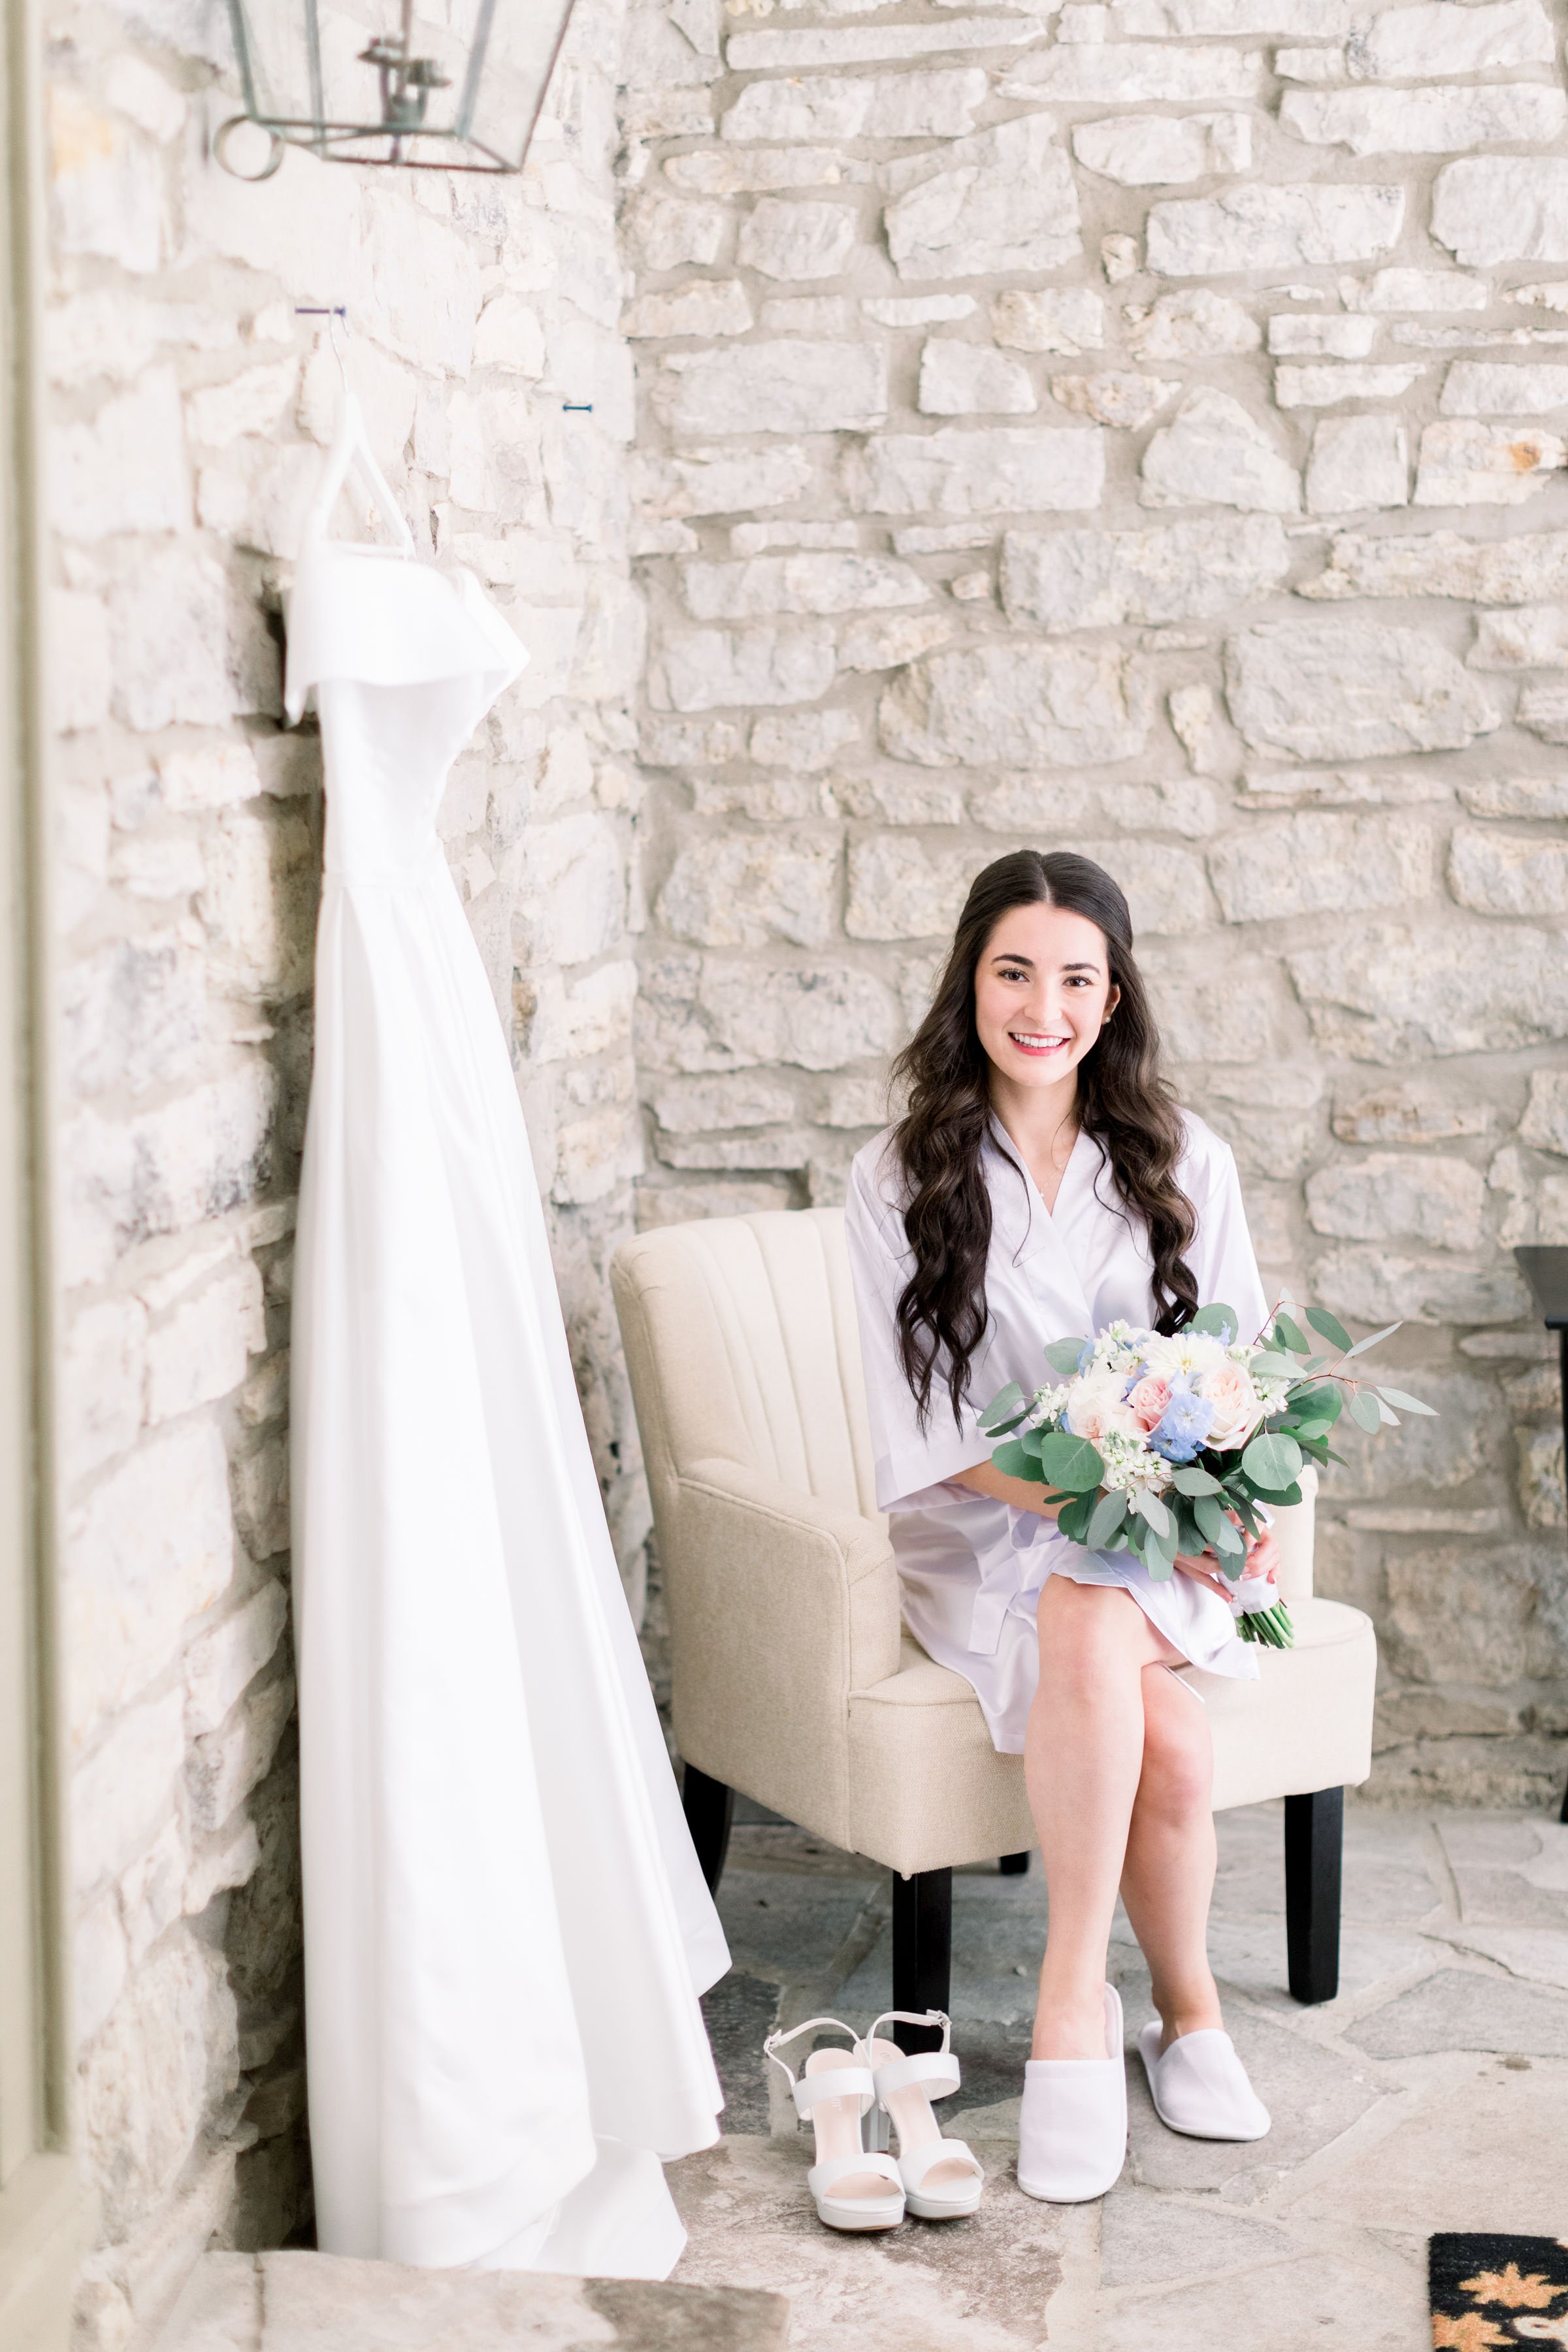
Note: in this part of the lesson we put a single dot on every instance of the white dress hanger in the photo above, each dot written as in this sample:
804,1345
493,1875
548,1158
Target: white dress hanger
351,452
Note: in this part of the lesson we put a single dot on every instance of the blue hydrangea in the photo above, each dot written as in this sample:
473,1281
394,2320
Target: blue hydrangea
1182,1426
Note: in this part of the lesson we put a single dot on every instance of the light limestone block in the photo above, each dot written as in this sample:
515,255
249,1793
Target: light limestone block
1260,228
762,537
258,401
1484,388
1003,200
715,670
1313,335
163,2062
102,1385
1467,463
1344,690
134,1014
1322,387
959,379
1195,719
798,240
1414,290
1182,19
781,52
106,183
1214,454
125,470
1408,1110
197,1156
807,582
220,1663
1504,874
1189,570
1534,638
1103,72
704,306
1316,864
151,1548
217,775
1067,321
773,387
996,469
1115,396
720,481
1424,121
917,310
886,642
124,1791
742,891
1502,208
1194,324
151,1891
1545,1120
1427,42
1443,563
902,889
805,740
820,315
1394,1196
1017,705
203,1351
724,172
669,232
169,635
706,1105
1358,462
562,1021
571,891
1144,151
1528,796
509,334
1395,992
936,105
257,902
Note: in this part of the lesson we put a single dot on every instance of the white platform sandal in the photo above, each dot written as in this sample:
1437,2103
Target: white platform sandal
943,2177
853,2188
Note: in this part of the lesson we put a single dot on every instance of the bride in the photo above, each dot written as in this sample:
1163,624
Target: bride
1042,1182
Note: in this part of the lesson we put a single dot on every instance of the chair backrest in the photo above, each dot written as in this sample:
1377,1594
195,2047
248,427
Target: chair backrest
755,1351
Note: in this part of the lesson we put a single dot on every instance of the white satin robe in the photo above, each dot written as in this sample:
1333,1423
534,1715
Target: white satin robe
970,1569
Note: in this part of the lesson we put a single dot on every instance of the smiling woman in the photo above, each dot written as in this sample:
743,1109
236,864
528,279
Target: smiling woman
1044,1184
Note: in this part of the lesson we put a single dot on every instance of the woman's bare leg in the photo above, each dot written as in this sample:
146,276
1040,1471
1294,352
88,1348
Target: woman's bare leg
1083,1763
1168,1876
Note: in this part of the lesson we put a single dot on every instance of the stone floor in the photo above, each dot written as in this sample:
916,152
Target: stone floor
1432,2095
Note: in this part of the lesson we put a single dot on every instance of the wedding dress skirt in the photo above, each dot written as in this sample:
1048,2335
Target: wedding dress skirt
506,1927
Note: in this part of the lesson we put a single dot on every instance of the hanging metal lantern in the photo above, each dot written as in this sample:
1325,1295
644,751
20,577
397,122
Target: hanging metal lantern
455,86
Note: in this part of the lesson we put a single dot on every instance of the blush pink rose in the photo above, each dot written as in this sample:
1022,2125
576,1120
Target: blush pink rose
1236,1408
1147,1400
1097,1409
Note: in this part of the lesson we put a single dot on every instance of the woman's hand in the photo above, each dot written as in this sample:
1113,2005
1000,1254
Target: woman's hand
1262,1559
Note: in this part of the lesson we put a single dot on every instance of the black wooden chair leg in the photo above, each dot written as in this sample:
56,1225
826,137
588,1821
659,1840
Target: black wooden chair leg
922,1952
1014,1865
1314,1850
710,1808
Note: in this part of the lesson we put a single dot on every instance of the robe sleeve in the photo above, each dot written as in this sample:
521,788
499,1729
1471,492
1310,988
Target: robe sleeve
907,1458
1221,1256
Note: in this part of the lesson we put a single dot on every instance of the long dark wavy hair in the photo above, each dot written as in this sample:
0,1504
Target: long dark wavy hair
1124,1101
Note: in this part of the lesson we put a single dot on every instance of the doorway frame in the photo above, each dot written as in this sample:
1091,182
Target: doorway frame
43,2212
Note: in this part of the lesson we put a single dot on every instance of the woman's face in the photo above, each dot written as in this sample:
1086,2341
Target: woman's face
1042,991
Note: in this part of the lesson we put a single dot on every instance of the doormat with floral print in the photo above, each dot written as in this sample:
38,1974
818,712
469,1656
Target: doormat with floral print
1488,2292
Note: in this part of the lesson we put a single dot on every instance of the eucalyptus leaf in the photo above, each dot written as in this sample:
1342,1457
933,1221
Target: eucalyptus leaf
1407,1403
1109,1514
1071,1463
1365,1411
1216,1320
1005,1411
1329,1327
1288,1332
1161,1570
1074,1517
1191,1480
1313,1432
1219,1529
1374,1340
1386,1415
1012,1462
1149,1507
1272,1460
1064,1356
1271,1367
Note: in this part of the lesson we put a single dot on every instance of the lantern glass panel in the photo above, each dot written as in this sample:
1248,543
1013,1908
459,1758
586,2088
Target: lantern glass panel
425,82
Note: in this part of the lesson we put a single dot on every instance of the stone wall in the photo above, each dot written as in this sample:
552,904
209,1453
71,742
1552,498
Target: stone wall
1139,428
187,403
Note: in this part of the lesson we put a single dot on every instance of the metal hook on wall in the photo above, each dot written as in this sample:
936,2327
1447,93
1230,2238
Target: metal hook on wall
337,315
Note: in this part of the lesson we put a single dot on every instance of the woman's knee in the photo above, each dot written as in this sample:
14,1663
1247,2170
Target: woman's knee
1094,1638
1178,1750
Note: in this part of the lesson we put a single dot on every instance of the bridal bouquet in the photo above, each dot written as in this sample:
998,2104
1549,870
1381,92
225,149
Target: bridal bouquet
1169,1445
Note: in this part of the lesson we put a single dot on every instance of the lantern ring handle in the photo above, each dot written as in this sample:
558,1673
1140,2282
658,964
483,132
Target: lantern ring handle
248,122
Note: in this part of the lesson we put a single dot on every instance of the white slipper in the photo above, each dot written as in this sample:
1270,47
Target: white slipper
1199,2086
1072,2128
853,2188
943,2179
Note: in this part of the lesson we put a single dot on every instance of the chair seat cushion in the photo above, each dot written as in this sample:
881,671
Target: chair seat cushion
927,1787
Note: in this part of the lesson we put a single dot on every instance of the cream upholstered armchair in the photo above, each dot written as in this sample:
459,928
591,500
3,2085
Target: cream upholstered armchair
794,1682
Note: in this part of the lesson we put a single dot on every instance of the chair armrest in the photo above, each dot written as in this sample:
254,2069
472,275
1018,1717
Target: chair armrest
780,1605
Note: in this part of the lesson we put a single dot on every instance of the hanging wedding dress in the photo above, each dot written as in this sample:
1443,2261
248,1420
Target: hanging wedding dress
506,1928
